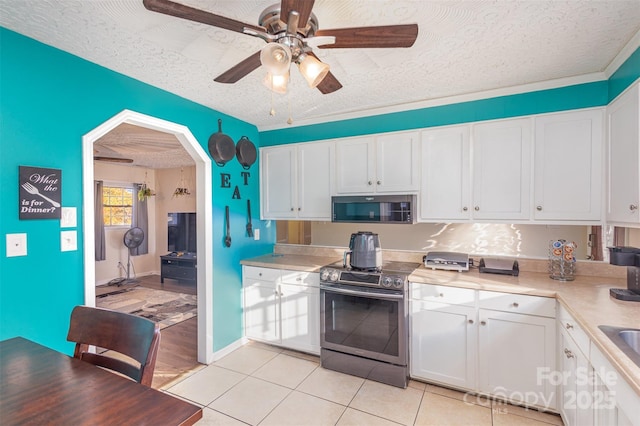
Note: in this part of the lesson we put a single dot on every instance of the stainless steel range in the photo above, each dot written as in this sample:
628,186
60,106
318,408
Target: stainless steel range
363,317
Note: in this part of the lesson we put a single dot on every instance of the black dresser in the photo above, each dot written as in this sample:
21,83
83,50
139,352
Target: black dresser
183,268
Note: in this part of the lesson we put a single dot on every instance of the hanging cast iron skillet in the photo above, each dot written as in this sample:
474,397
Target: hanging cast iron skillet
246,152
221,146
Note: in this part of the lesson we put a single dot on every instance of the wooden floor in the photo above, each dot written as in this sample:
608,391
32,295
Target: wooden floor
178,343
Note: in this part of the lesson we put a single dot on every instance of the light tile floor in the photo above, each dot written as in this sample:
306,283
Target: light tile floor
264,385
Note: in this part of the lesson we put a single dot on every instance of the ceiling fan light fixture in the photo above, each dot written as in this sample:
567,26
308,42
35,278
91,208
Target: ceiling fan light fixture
276,83
276,58
312,69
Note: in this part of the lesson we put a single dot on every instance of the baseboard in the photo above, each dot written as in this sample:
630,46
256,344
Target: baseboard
142,274
228,349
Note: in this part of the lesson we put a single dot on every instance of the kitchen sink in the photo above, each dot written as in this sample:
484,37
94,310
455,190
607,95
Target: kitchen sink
626,339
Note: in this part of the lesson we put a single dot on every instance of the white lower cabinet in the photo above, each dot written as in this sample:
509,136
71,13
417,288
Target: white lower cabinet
282,307
615,402
452,330
516,351
575,384
500,351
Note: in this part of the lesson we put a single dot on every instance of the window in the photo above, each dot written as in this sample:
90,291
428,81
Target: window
117,205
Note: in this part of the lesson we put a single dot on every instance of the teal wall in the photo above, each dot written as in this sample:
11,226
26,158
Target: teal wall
586,95
48,100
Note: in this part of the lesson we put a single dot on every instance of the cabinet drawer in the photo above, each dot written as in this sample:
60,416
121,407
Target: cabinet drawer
443,294
573,329
310,279
518,303
262,274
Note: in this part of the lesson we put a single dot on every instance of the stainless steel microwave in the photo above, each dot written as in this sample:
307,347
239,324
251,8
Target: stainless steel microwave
374,208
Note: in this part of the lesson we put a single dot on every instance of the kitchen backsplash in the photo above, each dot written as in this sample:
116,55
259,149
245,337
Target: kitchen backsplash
590,268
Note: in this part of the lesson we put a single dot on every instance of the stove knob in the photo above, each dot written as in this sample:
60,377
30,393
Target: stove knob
398,282
387,282
334,275
324,275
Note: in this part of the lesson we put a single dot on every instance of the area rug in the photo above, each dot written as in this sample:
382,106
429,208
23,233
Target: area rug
164,307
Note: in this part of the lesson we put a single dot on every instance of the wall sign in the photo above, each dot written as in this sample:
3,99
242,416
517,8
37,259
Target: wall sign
40,193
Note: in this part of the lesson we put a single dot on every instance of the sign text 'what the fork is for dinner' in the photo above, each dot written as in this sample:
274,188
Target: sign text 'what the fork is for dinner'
40,193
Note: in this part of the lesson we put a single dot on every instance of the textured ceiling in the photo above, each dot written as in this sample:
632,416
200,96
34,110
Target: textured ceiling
462,47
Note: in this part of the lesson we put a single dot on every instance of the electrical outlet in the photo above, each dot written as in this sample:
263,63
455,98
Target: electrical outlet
256,234
16,245
68,241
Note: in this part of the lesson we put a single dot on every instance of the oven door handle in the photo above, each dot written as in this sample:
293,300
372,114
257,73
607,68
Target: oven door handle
362,293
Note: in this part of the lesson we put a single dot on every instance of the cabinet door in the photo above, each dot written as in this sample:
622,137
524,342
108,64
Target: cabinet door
516,351
502,168
398,162
355,165
445,185
575,388
443,343
300,317
316,170
568,166
624,158
278,166
261,319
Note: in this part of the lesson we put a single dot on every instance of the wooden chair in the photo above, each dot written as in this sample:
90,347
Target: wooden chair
127,334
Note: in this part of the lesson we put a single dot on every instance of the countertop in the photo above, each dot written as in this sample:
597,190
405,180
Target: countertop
586,298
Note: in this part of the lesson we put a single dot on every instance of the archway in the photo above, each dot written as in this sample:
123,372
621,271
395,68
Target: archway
204,218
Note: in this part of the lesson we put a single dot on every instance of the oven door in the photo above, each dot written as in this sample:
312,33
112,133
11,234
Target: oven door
364,322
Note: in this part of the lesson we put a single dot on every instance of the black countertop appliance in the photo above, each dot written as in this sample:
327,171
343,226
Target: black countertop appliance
629,257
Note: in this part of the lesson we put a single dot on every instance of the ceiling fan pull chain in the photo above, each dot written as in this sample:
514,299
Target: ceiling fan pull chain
289,120
272,111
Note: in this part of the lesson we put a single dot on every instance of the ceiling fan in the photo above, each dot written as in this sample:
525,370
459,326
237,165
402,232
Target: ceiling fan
291,30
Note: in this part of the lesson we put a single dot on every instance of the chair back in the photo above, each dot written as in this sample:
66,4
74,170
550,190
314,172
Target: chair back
133,336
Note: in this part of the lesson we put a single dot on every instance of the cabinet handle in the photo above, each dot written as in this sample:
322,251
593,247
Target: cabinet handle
299,279
633,207
378,183
291,208
515,304
464,209
299,208
476,208
370,183
568,353
483,323
470,321
259,274
441,295
539,208
569,326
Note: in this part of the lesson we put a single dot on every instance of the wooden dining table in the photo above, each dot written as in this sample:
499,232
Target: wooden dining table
41,386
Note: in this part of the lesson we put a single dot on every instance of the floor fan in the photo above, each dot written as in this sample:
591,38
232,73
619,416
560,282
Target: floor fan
132,239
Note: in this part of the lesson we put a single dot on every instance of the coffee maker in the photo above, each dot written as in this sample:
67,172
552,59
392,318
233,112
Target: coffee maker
629,257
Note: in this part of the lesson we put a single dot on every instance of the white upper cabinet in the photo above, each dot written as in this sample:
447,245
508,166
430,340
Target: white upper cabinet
623,117
445,184
297,181
501,169
568,166
278,168
387,163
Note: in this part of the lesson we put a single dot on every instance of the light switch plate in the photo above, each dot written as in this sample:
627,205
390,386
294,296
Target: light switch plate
16,245
68,241
68,217
256,234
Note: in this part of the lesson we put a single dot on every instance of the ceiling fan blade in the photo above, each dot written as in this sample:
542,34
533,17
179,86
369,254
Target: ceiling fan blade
371,37
242,69
186,12
329,84
303,7
113,159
